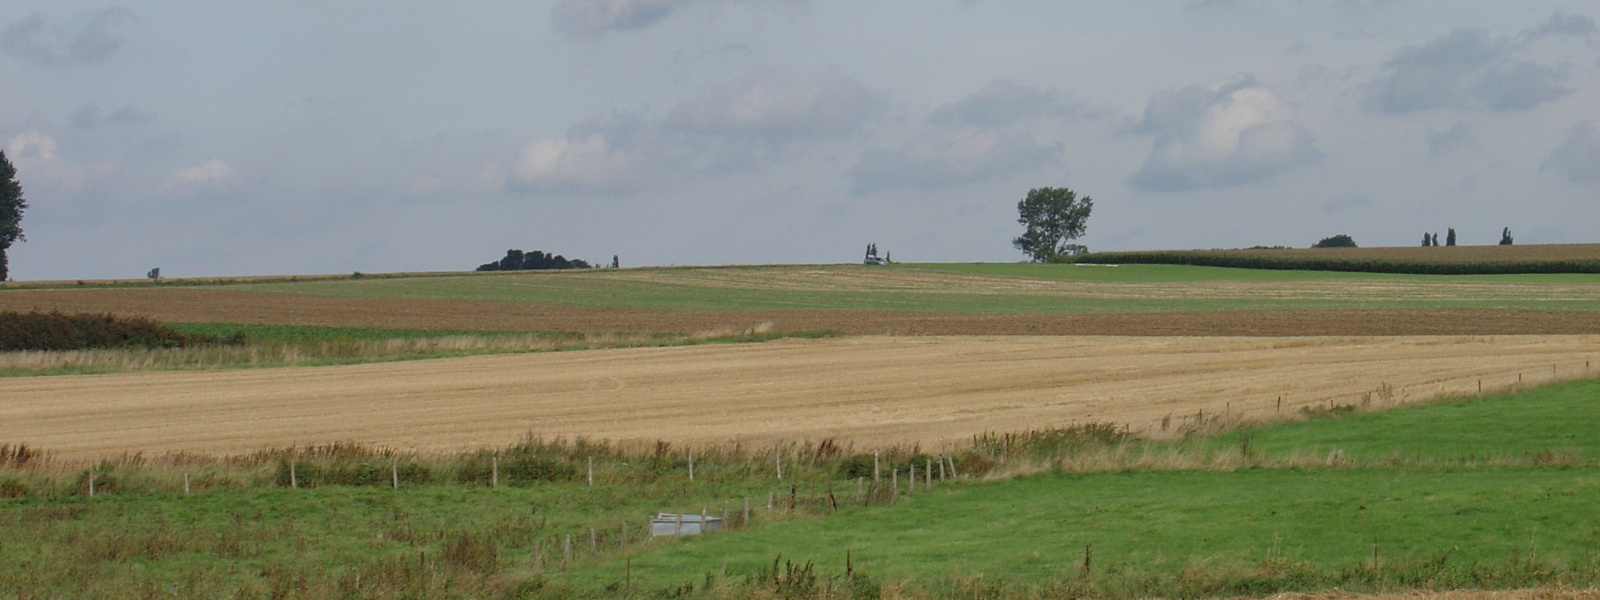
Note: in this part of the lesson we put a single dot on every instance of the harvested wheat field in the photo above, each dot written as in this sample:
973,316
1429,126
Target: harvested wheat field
866,390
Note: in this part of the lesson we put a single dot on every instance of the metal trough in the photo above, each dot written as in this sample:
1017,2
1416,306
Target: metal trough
683,524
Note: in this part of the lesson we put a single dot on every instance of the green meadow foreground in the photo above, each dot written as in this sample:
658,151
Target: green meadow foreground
1480,493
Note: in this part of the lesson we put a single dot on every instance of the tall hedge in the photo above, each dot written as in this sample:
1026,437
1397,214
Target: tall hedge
59,331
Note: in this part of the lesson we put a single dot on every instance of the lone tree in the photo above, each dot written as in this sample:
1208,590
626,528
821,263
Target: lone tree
11,207
1336,241
1053,216
1450,237
1505,237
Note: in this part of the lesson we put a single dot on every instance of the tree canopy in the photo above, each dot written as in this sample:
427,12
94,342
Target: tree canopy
517,260
11,206
1338,241
1052,216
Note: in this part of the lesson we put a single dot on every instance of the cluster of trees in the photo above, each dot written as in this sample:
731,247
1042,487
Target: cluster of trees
517,260
11,206
1432,239
1335,241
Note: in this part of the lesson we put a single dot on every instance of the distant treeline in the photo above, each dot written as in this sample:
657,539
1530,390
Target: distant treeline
1369,260
59,331
517,260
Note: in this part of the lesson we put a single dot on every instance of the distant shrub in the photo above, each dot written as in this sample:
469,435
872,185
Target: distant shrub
1337,241
363,474
517,260
516,470
59,331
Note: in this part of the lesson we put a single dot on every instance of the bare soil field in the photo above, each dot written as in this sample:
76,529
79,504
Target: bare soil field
865,390
222,306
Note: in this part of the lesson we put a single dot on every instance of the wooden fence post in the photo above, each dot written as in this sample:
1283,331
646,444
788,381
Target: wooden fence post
494,471
746,519
777,459
894,477
185,484
691,464
394,474
875,476
913,479
622,543
927,473
591,471
566,551
292,483
91,482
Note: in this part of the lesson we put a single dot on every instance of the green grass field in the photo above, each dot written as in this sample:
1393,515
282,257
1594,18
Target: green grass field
1478,506
975,288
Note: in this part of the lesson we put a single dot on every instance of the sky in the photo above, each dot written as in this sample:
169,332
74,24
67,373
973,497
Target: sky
300,137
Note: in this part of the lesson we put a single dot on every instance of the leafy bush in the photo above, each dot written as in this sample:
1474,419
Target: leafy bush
1345,241
59,331
365,474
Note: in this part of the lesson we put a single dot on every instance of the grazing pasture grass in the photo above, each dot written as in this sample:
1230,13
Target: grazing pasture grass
981,288
1143,528
1553,424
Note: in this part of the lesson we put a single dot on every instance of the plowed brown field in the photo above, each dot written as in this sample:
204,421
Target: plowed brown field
219,306
868,390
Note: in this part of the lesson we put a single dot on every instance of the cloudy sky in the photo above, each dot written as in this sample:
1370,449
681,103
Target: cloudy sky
229,138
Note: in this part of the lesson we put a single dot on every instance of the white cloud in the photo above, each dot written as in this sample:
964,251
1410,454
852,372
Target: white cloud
38,161
32,146
1578,156
86,39
1221,135
207,177
590,161
612,155
779,106
944,157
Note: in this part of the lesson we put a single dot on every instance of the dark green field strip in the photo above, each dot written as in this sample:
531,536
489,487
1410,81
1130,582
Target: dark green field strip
299,333
1036,529
1095,289
1465,260
1554,423
1182,273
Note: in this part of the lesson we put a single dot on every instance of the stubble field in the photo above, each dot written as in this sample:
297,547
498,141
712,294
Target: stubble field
868,391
